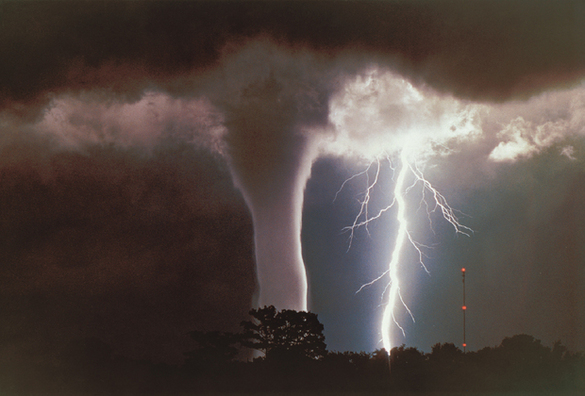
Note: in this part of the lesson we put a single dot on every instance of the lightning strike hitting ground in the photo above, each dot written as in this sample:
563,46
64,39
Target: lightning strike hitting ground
382,117
433,202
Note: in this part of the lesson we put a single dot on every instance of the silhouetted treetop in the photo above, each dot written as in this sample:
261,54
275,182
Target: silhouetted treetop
285,332
445,353
213,348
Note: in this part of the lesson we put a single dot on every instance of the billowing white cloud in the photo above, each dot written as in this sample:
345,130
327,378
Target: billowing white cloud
77,121
524,129
379,112
522,139
568,151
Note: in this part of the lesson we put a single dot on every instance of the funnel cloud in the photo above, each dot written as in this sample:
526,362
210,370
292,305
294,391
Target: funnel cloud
274,110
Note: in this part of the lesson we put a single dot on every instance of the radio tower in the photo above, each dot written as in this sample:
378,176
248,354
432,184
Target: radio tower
464,308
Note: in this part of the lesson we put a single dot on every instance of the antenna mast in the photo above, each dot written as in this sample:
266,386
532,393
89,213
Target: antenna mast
464,308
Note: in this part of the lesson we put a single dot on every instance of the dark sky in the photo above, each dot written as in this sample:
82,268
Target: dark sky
120,129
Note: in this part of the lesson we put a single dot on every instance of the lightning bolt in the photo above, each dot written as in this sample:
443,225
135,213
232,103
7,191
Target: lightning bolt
432,200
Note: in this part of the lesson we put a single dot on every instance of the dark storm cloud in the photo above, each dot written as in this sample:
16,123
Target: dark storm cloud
481,49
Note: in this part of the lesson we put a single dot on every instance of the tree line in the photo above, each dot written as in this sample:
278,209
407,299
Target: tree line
286,350
292,354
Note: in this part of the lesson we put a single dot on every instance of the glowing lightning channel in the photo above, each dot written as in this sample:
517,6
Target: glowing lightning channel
392,292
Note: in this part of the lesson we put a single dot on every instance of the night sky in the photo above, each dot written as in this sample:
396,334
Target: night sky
140,142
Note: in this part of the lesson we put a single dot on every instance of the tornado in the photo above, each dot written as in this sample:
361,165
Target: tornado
272,173
274,117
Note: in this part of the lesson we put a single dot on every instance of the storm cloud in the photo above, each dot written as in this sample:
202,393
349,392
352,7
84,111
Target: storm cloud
486,50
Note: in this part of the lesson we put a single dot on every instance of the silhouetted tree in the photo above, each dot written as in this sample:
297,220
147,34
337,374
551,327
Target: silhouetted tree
524,360
284,334
445,364
407,368
348,361
380,364
214,348
445,353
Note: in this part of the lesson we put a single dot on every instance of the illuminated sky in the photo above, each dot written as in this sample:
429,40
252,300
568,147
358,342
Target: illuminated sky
140,141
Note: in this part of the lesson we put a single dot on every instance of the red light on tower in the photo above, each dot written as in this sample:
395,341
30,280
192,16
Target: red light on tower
462,269
464,307
464,345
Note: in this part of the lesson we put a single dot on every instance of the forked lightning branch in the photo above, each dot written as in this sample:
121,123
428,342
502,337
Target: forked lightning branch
433,202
